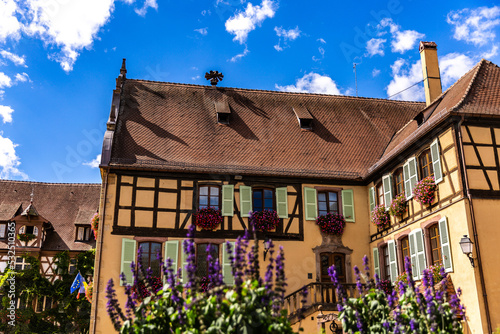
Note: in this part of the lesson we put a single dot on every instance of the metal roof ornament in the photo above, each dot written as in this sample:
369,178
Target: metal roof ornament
214,77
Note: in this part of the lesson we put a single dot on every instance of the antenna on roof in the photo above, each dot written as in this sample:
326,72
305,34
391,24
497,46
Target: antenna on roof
214,77
355,77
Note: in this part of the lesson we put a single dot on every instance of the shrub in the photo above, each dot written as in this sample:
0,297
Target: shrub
265,220
208,218
331,223
252,304
376,311
398,206
425,190
380,217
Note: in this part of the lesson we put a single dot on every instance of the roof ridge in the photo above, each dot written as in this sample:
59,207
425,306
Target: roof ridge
51,183
477,68
279,92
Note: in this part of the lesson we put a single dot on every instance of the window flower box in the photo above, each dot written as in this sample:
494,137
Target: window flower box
398,206
425,190
331,223
208,218
26,237
380,217
94,224
264,221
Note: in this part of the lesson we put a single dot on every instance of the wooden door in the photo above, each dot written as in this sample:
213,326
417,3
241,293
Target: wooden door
330,259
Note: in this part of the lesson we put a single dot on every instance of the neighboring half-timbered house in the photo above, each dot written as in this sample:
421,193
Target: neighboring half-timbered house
55,217
171,149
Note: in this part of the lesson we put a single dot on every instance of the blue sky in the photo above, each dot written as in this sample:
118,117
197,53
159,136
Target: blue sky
59,60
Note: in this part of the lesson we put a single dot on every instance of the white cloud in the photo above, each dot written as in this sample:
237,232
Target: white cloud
290,34
9,161
402,40
71,25
6,113
312,83
239,56
404,76
375,46
22,77
147,4
94,163
475,26
405,40
242,23
375,72
202,31
490,54
195,78
453,66
9,24
321,40
17,60
205,12
5,80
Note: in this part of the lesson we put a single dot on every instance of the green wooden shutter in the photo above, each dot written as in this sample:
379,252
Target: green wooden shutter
387,183
348,205
282,202
227,270
393,263
419,242
445,244
371,195
436,161
227,200
413,255
311,202
412,163
171,251
376,261
406,176
245,201
128,256
184,257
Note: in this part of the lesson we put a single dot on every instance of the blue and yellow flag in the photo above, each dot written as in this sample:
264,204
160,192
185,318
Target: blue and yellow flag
77,283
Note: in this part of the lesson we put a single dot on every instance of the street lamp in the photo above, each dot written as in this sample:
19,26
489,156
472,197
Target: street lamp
466,245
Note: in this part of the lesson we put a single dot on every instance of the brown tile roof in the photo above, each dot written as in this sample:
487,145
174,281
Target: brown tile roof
173,127
476,93
62,204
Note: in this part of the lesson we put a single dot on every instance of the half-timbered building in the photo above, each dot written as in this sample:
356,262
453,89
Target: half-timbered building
171,149
54,217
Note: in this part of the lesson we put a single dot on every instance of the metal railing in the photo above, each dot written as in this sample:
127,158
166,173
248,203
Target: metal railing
318,294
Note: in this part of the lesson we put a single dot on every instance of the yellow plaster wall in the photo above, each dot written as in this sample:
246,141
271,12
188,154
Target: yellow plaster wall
487,215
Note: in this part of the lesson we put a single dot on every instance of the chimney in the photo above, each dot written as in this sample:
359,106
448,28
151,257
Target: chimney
430,68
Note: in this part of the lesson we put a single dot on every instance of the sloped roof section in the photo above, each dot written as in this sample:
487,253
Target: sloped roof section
63,204
173,127
476,93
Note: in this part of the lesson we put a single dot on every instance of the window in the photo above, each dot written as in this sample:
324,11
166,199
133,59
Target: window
436,257
380,194
83,233
149,256
263,199
399,182
3,229
405,249
72,266
202,250
43,303
328,202
21,263
28,230
21,302
425,163
209,197
386,269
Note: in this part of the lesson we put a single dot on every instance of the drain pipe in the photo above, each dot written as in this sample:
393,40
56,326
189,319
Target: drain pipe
474,227
97,263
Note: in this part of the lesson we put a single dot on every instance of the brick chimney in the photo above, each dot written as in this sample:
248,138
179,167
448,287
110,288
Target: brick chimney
430,68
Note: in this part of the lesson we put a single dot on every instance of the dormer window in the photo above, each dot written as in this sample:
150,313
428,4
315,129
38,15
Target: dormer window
304,117
28,230
83,233
223,111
